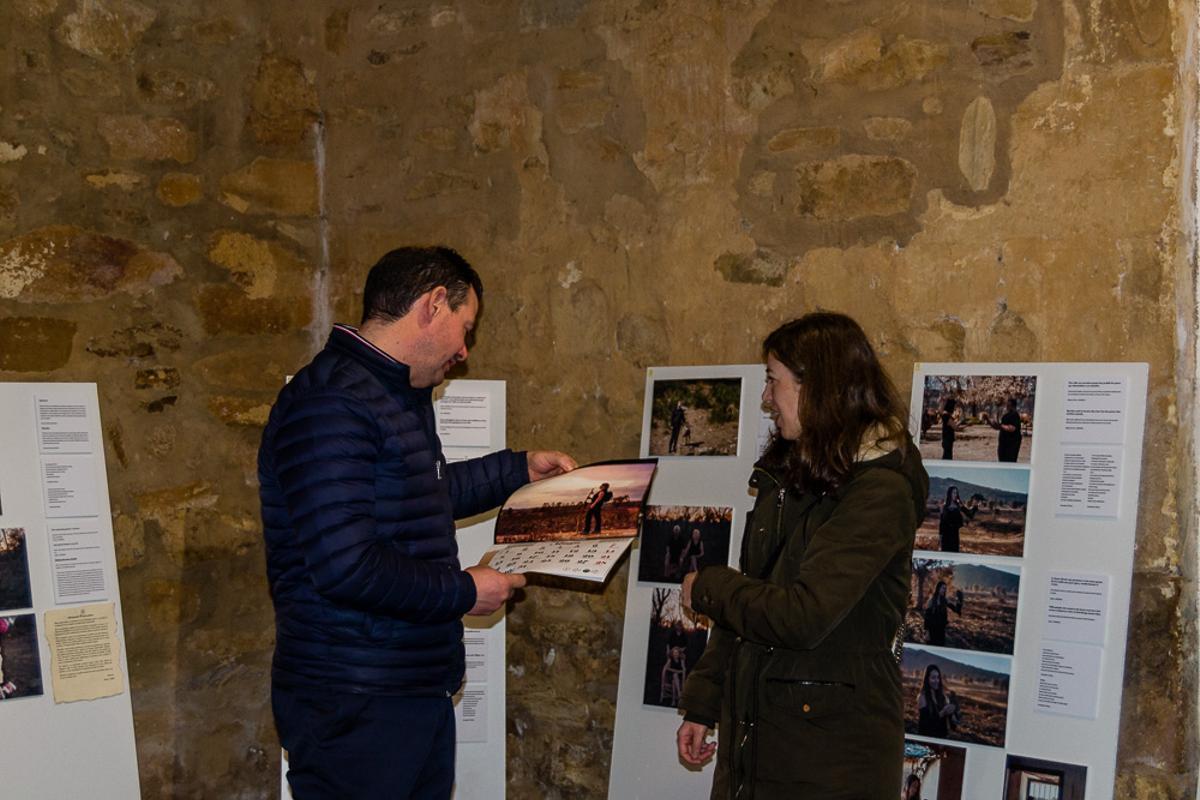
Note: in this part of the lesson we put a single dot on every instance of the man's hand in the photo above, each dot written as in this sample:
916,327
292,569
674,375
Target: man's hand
685,590
492,588
693,748
548,463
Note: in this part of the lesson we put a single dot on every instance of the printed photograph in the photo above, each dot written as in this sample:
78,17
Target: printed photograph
954,694
969,606
20,664
598,501
677,640
14,569
1036,778
978,417
677,540
695,417
977,510
932,771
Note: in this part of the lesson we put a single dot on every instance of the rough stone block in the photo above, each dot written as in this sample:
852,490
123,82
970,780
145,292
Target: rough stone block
808,141
174,87
180,189
105,29
131,137
35,344
286,187
855,186
283,101
157,378
262,268
977,143
62,263
240,411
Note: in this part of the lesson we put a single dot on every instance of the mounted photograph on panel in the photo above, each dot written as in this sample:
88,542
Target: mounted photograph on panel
14,569
977,510
1037,778
966,605
599,501
978,417
20,664
695,417
955,694
677,540
932,771
677,640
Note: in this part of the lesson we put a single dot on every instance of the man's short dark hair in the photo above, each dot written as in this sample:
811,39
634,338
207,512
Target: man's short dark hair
406,273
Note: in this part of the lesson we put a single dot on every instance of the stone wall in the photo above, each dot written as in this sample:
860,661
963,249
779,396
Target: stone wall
190,192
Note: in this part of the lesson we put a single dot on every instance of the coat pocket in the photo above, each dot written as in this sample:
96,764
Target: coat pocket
810,699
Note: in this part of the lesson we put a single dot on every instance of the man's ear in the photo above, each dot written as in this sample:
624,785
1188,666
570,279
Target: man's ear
431,304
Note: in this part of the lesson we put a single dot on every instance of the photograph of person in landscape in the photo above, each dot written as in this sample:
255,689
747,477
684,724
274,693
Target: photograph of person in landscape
978,510
1046,780
593,506
695,417
677,540
955,694
20,664
933,771
597,501
978,417
14,570
677,641
969,606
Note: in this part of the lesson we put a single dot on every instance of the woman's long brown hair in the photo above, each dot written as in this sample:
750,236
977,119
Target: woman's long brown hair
844,395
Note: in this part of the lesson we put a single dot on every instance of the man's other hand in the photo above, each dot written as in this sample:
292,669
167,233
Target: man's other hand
548,463
492,588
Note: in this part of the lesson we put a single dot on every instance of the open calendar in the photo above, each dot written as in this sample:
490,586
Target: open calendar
590,560
575,525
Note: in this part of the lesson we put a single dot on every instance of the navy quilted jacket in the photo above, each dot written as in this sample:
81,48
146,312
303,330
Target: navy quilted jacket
358,510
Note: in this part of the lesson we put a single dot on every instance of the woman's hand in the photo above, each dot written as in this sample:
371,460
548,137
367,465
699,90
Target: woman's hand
694,748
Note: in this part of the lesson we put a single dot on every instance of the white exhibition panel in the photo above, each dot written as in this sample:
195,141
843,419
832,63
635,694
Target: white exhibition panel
1100,544
645,763
1093,536
471,424
84,748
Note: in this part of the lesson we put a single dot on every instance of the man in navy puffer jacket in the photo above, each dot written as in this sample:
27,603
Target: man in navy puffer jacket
358,509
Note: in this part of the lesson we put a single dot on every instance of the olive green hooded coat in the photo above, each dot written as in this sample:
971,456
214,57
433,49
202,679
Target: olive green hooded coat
801,668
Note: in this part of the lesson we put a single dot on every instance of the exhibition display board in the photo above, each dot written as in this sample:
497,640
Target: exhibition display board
1034,474
471,420
66,722
705,427
1017,619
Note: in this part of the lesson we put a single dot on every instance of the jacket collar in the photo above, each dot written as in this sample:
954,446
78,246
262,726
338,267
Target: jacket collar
393,373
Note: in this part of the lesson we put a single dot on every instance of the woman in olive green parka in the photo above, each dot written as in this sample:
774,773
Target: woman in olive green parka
801,668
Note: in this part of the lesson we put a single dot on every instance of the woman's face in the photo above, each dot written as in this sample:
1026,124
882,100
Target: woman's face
935,679
781,398
953,495
941,589
696,536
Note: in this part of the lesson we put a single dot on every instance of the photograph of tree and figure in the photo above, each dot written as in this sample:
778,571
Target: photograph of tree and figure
677,640
977,510
599,501
695,417
968,606
955,694
14,570
978,417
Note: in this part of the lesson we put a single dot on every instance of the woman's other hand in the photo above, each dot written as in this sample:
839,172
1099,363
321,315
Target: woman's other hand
693,745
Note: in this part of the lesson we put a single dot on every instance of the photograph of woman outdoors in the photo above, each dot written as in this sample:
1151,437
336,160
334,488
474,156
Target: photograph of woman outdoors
954,515
800,671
